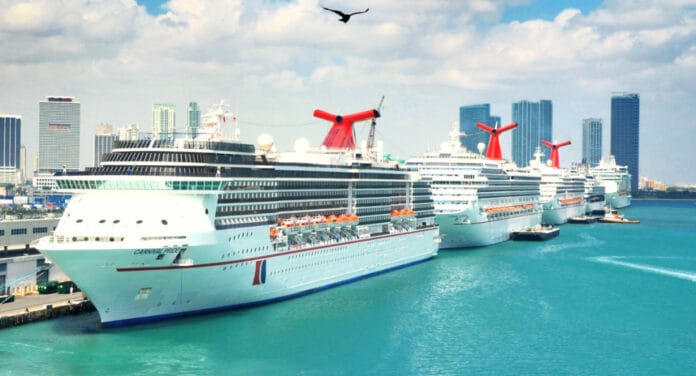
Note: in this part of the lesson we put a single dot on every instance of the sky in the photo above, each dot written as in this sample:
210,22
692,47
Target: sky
276,61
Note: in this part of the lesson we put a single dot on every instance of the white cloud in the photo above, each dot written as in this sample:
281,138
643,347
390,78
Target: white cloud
428,57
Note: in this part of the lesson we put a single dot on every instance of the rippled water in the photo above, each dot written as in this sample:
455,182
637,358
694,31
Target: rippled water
599,299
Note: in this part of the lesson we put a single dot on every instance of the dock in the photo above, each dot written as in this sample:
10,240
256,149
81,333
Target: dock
39,307
536,233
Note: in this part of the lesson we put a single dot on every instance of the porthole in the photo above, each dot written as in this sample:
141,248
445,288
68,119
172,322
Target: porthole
102,220
79,221
139,221
164,222
117,221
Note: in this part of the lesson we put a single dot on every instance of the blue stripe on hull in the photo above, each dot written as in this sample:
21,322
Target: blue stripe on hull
143,320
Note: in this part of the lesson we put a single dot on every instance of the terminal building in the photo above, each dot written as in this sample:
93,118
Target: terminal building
22,267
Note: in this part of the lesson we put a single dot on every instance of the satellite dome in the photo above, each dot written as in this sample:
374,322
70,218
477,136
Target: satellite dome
481,147
265,142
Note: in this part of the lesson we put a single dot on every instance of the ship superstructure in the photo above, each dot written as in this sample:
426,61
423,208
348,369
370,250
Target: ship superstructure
616,181
171,227
478,200
562,190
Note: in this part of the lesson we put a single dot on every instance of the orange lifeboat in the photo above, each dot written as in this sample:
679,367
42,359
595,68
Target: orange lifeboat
331,219
274,232
353,217
395,213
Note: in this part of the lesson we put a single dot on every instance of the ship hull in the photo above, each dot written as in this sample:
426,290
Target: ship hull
554,213
618,201
457,234
127,285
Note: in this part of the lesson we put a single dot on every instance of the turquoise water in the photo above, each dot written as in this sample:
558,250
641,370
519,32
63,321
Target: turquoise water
600,299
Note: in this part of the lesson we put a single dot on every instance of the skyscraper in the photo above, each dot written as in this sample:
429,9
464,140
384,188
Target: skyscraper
130,132
10,145
163,120
103,142
468,117
625,126
534,123
59,134
194,119
591,141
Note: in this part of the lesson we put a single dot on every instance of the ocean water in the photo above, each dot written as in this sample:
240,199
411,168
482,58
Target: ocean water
600,299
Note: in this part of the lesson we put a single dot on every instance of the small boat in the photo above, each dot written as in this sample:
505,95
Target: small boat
617,218
536,233
583,219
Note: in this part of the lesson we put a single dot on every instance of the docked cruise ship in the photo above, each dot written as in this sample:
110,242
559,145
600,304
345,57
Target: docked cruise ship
616,181
594,195
479,200
179,226
562,190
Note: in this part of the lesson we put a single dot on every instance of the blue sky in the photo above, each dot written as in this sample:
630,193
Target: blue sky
546,9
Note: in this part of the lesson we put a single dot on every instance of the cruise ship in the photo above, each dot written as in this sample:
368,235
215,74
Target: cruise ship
594,195
616,181
562,190
479,200
179,226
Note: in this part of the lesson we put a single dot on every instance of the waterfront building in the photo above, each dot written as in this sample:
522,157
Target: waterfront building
103,142
625,127
468,117
194,119
59,134
535,121
10,148
130,132
591,141
163,120
19,262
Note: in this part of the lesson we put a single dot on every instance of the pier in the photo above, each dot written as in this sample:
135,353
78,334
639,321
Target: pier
39,307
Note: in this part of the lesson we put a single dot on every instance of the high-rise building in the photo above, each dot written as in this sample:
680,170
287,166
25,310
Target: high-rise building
22,164
194,119
163,120
591,141
625,126
534,123
59,134
10,145
130,132
103,142
468,117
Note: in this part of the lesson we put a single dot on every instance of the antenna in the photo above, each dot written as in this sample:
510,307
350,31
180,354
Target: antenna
371,138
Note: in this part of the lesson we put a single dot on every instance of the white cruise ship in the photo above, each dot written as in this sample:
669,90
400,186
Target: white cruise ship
594,195
478,200
562,190
172,227
616,181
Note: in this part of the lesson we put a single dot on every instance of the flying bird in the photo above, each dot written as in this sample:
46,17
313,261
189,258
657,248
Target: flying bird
344,17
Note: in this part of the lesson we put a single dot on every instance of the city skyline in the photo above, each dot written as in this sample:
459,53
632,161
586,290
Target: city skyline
427,59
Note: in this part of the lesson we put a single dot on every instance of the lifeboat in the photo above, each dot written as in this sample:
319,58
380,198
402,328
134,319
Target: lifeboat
273,232
395,213
331,219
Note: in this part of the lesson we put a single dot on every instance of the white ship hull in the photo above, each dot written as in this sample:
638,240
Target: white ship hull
132,283
555,213
457,234
618,201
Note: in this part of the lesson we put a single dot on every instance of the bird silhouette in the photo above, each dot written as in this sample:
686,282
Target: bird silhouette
344,17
